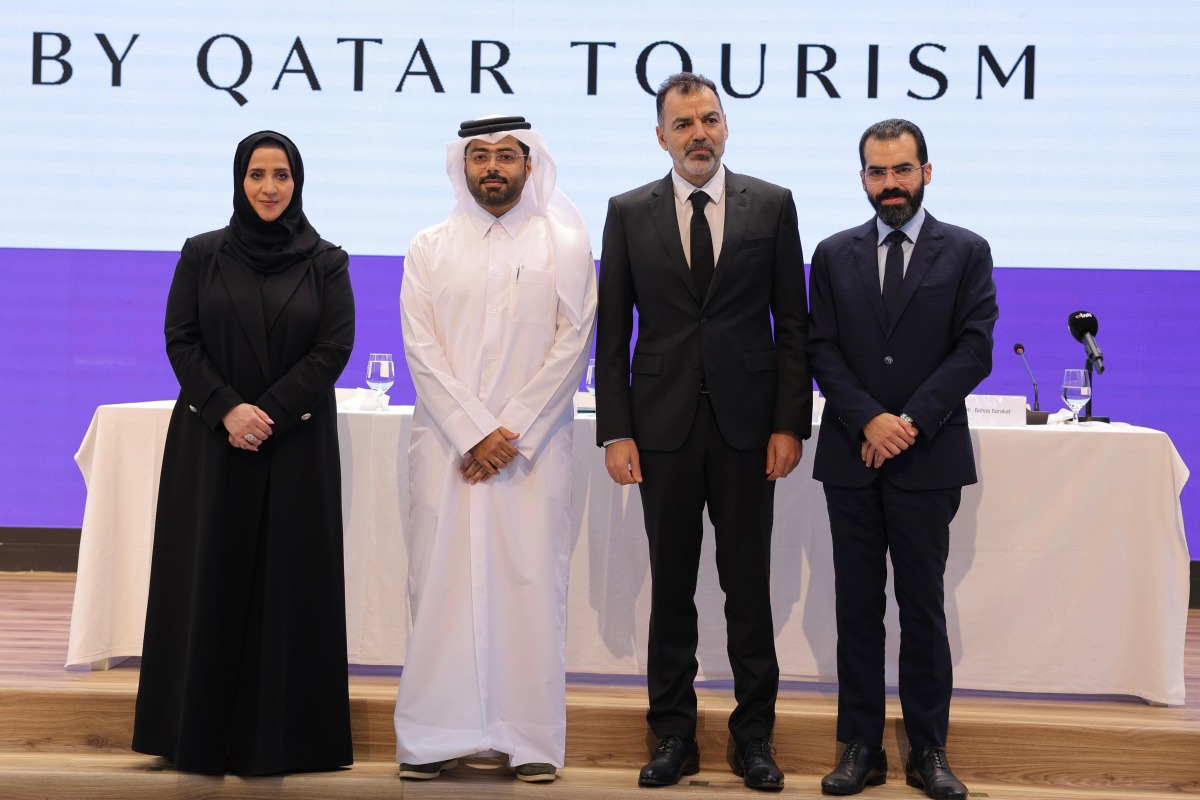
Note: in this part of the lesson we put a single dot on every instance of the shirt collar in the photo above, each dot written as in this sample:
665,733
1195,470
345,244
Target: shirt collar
715,188
512,220
910,229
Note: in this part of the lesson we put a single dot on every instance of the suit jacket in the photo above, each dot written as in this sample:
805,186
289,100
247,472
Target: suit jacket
748,334
936,351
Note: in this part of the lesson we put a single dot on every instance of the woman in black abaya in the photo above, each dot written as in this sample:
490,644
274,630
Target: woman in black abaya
244,659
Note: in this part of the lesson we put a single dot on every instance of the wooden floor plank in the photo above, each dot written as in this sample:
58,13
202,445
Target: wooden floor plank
71,729
92,777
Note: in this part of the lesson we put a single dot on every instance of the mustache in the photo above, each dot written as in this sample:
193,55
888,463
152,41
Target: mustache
890,193
705,145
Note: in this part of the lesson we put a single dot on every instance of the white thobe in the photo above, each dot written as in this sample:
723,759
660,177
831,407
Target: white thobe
488,345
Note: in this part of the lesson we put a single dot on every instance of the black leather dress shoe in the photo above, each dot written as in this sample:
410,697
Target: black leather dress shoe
928,769
860,766
756,767
674,758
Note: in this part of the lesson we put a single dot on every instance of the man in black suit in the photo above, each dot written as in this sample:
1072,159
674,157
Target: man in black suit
903,308
718,405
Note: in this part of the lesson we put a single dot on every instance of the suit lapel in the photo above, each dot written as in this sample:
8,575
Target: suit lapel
866,260
247,303
662,210
737,215
925,251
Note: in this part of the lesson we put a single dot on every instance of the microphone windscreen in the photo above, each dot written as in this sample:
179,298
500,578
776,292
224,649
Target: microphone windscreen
1082,322
1018,348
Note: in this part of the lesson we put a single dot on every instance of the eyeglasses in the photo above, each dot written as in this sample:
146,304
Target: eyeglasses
481,158
904,173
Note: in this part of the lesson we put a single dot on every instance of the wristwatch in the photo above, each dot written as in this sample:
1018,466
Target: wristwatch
909,420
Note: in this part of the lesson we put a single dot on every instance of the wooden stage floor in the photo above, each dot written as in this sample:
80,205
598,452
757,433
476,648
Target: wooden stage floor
65,733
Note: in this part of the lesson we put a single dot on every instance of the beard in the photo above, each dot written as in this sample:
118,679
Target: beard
898,215
498,196
703,164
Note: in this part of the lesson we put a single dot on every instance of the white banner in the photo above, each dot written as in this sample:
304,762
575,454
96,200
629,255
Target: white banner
1055,130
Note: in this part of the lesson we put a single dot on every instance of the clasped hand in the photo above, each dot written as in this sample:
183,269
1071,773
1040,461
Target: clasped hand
246,419
887,436
492,454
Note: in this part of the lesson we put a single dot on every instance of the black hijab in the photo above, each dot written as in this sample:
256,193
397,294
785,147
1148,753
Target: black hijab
269,247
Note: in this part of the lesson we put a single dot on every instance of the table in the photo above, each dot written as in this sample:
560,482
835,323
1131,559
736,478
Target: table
1068,568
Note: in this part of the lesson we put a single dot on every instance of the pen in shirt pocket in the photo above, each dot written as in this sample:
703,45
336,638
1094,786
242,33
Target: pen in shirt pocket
520,264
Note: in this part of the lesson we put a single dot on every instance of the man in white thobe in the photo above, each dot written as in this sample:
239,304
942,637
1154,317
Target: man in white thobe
497,306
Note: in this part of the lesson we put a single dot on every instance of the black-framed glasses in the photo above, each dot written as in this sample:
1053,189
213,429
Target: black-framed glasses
903,173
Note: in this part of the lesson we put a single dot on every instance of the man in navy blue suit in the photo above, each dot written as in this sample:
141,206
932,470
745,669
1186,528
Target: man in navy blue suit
900,331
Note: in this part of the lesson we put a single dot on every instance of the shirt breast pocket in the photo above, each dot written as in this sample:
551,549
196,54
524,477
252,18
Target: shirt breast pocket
534,299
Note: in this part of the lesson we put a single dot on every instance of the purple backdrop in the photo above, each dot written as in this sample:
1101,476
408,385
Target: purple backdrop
94,320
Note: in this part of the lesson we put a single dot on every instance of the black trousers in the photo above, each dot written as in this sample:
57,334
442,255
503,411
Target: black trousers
676,487
914,526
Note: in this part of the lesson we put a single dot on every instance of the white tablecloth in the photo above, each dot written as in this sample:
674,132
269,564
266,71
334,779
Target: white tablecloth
1068,568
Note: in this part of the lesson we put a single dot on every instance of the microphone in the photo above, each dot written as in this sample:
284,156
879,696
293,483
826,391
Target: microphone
1019,349
1084,328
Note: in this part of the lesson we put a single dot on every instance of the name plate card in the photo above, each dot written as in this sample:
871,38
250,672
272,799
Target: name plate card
995,411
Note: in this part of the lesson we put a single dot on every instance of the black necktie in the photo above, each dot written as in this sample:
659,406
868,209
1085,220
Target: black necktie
893,273
703,264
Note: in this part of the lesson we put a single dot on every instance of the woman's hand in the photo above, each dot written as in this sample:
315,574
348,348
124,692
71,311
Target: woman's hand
248,426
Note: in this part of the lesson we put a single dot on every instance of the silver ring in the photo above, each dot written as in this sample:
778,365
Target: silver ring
251,438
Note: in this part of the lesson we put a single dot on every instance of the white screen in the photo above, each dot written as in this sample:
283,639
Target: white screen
1099,154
